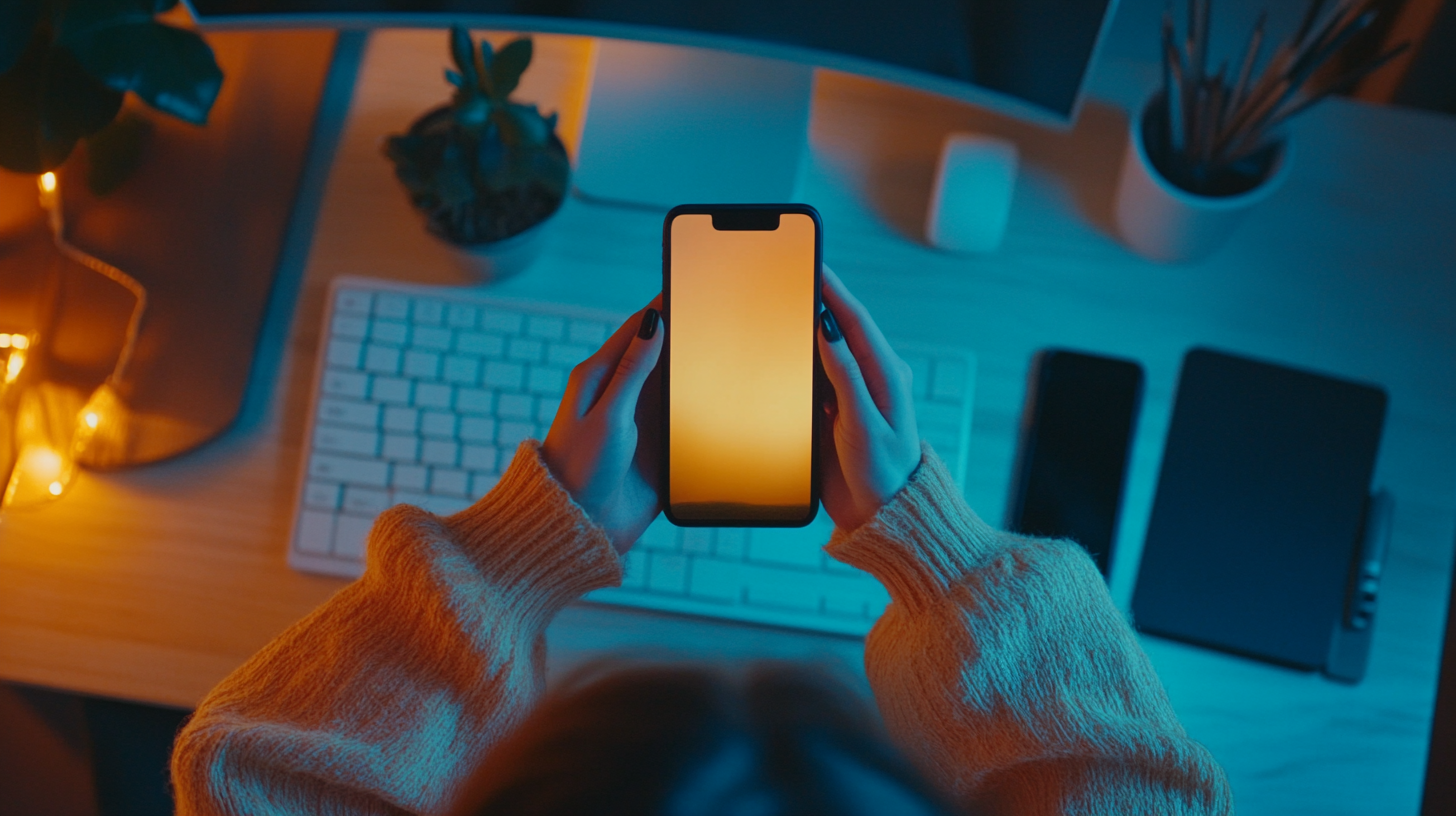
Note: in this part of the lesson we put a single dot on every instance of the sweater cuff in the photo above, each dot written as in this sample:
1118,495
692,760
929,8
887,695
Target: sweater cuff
528,534
922,540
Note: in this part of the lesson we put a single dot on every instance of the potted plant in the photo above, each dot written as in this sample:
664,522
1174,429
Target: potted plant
65,68
1211,145
486,172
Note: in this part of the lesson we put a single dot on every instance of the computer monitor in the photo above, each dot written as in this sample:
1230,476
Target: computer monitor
735,77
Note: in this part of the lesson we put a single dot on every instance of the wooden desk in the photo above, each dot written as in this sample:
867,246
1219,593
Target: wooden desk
152,584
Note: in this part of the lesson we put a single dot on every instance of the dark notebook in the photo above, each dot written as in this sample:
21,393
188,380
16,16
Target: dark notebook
1259,508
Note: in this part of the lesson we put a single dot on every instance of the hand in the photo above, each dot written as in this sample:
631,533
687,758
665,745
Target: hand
604,442
871,446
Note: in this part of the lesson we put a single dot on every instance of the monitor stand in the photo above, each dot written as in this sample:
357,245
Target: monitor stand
669,125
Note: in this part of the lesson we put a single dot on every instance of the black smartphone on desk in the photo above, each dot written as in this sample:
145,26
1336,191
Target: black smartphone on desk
741,299
1076,433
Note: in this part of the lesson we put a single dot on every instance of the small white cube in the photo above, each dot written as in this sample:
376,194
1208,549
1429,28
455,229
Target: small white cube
972,195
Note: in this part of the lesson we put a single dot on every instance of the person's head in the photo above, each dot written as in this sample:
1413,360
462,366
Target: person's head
771,740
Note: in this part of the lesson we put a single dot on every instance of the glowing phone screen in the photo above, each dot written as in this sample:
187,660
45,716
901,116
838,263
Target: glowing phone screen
741,370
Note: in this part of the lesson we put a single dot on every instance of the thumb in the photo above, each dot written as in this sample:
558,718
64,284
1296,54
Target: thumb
633,368
850,391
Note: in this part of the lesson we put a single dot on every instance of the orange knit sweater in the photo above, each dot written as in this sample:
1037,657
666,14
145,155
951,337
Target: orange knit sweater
1001,665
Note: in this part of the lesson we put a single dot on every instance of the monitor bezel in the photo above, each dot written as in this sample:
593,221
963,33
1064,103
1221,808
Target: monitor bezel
995,101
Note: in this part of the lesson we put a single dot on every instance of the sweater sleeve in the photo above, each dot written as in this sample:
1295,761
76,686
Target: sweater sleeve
386,697
1004,668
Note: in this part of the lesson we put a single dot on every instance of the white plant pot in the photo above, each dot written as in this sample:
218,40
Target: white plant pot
1163,222
495,261
20,207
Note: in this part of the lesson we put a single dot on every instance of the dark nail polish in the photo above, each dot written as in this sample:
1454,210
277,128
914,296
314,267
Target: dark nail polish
650,319
829,326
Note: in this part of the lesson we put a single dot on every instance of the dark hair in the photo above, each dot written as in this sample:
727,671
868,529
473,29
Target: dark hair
772,739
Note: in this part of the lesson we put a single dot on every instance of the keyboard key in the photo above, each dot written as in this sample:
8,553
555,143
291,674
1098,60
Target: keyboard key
365,500
667,572
463,370
949,380
344,353
350,327
732,543
850,606
389,332
431,337
347,469
315,532
661,534
321,495
350,534
422,365
523,350
439,452
490,346
460,316
429,312
404,420
515,406
498,321
349,412
587,333
634,572
445,505
381,359
449,482
566,355
389,304
697,540
511,434
433,395
784,596
786,547
481,484
401,448
353,301
551,381
343,440
504,376
545,327
546,410
715,580
474,401
345,384
939,415
437,423
410,477
477,429
391,389
479,457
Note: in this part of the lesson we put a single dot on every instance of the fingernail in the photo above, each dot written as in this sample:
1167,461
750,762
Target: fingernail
830,328
650,319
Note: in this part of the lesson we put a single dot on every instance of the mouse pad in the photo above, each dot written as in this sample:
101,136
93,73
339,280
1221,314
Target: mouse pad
1259,508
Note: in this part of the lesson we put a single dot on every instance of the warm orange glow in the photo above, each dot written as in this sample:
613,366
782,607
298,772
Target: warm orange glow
91,419
14,365
48,182
19,341
55,488
741,369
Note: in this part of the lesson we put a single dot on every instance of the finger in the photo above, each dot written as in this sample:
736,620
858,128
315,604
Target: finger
854,402
636,363
885,375
589,379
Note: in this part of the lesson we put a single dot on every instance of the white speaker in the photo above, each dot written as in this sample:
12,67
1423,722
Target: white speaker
972,195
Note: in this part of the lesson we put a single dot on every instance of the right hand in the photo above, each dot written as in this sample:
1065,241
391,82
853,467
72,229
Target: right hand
872,446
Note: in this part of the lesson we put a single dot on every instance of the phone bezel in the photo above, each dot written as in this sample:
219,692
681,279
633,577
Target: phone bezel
818,395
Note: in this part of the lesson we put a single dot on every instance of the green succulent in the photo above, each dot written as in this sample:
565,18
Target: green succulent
66,65
483,167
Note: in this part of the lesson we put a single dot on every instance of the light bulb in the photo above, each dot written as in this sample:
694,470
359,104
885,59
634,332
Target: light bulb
92,420
48,182
56,488
14,365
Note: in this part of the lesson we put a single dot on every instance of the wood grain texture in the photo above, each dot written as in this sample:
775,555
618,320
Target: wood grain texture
153,583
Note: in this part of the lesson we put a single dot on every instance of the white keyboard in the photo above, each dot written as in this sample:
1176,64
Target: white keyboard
422,394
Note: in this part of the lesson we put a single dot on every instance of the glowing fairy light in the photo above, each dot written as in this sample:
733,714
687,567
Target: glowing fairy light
92,420
48,182
14,365
55,488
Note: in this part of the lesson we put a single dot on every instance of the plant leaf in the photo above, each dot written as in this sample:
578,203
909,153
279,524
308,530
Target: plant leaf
454,78
463,53
510,63
17,23
50,102
172,69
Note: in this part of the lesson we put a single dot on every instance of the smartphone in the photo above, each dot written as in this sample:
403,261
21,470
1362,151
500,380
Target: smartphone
1076,432
741,300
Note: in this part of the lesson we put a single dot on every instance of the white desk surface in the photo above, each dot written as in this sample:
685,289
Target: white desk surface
152,584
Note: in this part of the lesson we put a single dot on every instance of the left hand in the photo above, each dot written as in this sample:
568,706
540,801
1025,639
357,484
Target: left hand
604,443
